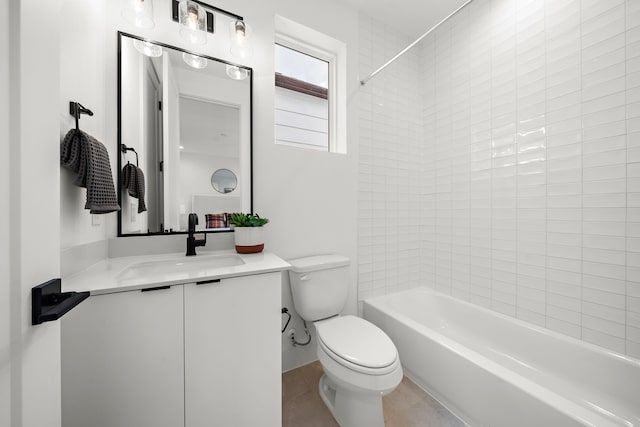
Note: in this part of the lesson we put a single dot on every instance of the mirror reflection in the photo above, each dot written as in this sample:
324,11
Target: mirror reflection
181,117
224,181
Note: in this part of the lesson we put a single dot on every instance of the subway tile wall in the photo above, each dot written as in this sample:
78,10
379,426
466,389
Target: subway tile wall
390,164
511,137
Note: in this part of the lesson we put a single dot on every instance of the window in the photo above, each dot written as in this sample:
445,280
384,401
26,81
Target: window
309,75
301,104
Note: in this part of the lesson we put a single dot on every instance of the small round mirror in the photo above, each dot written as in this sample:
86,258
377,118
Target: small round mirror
224,181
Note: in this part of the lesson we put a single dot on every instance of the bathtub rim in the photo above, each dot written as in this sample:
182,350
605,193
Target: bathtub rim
587,415
375,302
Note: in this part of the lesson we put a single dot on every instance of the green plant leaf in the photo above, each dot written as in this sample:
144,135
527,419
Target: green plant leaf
247,220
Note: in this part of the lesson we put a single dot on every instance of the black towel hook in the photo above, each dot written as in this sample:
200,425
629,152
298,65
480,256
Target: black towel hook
76,109
125,149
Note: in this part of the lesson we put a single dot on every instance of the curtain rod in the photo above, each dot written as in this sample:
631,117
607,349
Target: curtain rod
403,51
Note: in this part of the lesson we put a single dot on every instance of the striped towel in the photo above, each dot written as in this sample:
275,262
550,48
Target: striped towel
216,220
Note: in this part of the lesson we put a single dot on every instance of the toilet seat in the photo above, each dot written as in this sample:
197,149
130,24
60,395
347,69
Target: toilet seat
357,345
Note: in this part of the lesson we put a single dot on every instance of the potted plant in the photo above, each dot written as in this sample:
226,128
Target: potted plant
248,232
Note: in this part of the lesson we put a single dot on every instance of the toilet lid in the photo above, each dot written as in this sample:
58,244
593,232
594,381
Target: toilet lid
358,341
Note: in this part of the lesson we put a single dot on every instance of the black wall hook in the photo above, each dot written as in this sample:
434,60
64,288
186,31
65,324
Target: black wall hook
125,149
76,109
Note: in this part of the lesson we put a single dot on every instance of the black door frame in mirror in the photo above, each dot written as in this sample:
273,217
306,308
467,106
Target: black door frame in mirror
120,34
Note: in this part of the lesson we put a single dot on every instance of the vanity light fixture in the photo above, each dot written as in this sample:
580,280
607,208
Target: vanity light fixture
194,61
147,48
193,19
237,73
239,33
197,19
138,13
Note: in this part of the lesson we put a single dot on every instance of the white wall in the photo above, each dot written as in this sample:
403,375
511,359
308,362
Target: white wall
5,227
390,164
29,355
309,196
87,75
201,167
531,130
197,181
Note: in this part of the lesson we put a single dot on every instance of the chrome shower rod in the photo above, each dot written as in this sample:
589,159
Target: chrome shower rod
403,51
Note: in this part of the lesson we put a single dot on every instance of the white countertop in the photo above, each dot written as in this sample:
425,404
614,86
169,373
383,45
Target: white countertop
110,275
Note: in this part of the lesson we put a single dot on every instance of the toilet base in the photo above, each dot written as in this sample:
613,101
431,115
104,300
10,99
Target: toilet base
351,409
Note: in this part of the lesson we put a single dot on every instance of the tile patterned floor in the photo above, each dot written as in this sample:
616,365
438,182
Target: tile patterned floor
407,406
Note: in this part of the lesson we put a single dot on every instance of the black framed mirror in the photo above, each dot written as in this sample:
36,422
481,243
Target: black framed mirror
181,115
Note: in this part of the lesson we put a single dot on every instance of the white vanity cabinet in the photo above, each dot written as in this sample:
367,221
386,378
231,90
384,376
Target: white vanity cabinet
233,352
191,355
122,360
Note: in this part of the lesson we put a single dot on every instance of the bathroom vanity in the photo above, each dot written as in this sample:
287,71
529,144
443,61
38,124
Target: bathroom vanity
175,341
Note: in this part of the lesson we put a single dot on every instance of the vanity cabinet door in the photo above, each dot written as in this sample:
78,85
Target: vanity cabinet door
232,352
123,360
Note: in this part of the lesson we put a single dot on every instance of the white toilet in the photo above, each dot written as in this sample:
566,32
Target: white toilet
360,362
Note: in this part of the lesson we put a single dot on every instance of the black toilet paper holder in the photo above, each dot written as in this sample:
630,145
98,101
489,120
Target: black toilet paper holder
48,302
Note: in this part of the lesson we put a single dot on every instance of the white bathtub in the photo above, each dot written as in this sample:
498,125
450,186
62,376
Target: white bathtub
494,370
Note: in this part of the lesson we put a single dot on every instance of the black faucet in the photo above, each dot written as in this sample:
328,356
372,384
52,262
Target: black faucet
192,242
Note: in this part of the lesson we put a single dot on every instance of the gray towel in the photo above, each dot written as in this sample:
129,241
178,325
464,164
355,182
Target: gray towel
133,181
88,158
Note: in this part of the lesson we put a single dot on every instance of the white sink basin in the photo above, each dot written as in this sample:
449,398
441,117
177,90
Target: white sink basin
194,266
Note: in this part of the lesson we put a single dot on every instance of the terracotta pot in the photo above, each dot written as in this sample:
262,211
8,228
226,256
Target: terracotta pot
249,240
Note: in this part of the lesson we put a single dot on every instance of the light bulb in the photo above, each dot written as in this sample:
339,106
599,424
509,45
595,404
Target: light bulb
240,34
194,61
147,48
193,21
237,73
241,31
138,13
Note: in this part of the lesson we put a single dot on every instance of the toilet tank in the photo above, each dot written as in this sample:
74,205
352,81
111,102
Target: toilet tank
319,285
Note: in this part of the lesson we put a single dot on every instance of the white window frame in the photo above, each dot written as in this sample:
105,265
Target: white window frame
314,43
